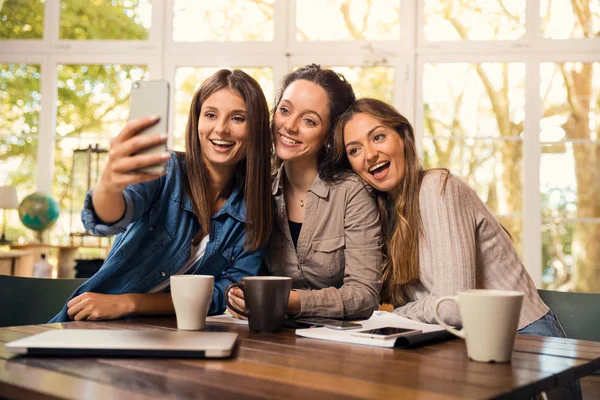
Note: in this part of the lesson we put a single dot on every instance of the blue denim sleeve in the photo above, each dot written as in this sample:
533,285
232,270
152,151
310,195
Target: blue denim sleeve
248,263
138,200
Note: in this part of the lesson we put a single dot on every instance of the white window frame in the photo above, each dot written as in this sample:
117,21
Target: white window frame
407,56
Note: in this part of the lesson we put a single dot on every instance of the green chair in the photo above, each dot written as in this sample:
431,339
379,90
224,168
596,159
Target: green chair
30,301
578,315
577,312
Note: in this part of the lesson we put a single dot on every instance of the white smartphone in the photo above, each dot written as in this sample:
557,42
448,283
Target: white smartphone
151,98
388,332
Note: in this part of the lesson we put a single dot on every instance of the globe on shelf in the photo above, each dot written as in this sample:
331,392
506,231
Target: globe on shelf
38,211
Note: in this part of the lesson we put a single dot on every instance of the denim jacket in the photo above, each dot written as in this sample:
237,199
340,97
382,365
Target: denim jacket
155,237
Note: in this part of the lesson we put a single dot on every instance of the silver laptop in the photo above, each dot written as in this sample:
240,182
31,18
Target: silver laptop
126,343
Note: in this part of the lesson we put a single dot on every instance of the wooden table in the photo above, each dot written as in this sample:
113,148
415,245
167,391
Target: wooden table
285,366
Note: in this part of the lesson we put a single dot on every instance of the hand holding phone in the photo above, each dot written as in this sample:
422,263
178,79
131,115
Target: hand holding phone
141,144
109,204
151,98
386,333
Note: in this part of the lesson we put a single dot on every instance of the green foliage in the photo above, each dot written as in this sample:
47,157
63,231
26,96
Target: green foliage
92,99
100,19
22,19
19,106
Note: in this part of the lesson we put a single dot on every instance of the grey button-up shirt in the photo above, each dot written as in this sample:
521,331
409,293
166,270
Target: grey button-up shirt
336,268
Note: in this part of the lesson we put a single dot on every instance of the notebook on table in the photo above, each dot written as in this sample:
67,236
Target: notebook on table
430,333
126,343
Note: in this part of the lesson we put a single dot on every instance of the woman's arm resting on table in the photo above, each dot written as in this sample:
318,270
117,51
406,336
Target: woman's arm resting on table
97,306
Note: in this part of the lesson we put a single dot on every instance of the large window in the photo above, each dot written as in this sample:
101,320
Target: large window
503,93
92,107
473,125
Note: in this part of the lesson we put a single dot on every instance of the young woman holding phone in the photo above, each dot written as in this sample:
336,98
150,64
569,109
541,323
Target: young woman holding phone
327,234
210,213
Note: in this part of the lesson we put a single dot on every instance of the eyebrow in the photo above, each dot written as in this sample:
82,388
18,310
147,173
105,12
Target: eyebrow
306,111
369,134
232,112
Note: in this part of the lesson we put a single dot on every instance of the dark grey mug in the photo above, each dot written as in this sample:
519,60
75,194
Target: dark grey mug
266,300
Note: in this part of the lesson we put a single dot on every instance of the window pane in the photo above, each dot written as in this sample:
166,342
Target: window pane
492,167
570,172
19,107
474,99
97,20
22,19
561,21
375,82
71,184
92,107
93,100
447,20
567,118
19,99
569,256
348,20
189,79
222,21
18,158
570,180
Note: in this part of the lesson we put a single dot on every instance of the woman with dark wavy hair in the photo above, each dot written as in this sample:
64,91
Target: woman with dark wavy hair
327,234
439,236
210,213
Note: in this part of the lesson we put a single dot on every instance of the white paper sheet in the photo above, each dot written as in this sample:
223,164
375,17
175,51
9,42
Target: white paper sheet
227,319
379,319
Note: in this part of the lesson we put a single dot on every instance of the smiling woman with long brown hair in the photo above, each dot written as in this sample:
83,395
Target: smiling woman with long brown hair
210,213
440,237
326,234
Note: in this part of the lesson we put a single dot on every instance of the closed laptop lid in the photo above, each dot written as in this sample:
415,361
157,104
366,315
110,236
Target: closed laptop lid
125,343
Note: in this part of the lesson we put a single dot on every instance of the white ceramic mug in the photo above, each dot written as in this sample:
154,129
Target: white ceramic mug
191,296
490,319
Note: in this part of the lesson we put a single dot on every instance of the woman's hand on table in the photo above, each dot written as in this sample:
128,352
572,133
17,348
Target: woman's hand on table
96,307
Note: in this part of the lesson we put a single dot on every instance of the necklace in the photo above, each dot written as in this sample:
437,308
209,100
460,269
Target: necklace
296,197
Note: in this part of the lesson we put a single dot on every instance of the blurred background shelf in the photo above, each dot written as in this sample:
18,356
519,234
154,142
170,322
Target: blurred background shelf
11,261
62,258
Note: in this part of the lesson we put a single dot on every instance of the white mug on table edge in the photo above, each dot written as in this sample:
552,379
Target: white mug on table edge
490,319
191,296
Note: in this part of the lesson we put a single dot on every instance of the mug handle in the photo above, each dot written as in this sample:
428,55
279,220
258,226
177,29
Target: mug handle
234,308
460,333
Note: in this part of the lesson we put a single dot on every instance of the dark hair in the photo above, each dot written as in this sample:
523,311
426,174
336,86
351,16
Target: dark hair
253,172
341,96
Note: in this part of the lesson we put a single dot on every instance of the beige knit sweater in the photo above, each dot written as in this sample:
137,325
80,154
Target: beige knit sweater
463,247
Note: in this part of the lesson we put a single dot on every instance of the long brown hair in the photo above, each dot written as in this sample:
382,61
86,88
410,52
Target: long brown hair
400,216
253,172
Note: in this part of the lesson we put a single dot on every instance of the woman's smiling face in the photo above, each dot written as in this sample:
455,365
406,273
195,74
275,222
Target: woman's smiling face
222,129
375,152
301,121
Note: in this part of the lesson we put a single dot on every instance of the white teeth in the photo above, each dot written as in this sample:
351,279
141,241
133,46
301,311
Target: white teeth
288,140
374,167
221,142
